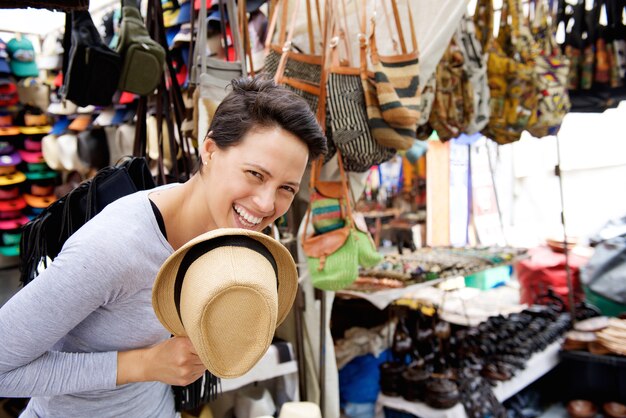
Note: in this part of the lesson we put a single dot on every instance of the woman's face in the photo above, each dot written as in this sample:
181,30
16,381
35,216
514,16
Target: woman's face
251,184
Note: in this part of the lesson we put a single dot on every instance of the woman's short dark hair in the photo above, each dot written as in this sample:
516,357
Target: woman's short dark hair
260,102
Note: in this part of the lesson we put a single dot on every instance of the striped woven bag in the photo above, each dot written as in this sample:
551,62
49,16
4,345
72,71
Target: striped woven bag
347,114
392,94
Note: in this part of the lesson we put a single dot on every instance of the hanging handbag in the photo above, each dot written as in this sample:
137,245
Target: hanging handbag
475,66
91,69
453,109
397,77
332,256
512,80
298,71
347,114
143,58
214,74
392,94
552,69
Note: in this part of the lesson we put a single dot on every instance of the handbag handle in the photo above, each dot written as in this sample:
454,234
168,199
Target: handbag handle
374,49
544,29
245,35
284,38
234,29
483,22
287,43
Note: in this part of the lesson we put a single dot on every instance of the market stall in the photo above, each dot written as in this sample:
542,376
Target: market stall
418,100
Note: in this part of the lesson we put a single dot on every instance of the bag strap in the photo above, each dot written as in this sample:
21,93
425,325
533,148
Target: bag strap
245,35
280,71
273,20
201,41
483,23
199,46
396,16
287,25
231,7
544,29
398,24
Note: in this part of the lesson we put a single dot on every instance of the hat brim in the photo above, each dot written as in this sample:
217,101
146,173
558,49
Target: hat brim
163,289
31,156
17,203
9,131
40,175
8,160
35,130
24,69
14,178
39,201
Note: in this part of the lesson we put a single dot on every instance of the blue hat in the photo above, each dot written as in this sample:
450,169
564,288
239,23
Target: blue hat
4,58
60,126
184,14
170,34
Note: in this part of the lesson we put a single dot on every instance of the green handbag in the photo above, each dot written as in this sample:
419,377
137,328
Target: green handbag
143,57
332,257
368,255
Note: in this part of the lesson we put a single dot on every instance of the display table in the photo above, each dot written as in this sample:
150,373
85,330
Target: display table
536,366
382,298
421,409
268,367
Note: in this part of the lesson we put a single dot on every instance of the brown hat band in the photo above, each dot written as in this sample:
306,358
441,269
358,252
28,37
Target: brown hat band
202,248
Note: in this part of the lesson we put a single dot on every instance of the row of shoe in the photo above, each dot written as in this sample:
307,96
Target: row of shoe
435,364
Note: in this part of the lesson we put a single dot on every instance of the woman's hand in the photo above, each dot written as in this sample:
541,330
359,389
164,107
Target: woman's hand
173,361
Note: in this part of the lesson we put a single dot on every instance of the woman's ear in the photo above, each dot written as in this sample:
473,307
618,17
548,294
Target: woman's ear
208,148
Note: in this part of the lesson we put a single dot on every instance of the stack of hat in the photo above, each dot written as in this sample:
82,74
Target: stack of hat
613,337
8,89
12,203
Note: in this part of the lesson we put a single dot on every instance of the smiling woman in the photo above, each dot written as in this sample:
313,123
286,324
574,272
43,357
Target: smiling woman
94,346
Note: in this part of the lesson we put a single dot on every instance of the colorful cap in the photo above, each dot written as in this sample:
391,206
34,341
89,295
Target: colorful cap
22,56
9,160
4,58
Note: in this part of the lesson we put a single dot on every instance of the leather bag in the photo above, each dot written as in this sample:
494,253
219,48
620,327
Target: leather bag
92,73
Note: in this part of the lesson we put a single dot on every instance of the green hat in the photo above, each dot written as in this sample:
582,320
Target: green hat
22,56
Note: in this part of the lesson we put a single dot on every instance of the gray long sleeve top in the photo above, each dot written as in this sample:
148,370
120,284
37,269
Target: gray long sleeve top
59,335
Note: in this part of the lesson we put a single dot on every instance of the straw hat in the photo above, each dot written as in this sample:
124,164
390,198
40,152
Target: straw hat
226,290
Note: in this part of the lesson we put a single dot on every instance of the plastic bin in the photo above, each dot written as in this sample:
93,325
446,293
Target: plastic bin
599,378
606,306
489,278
